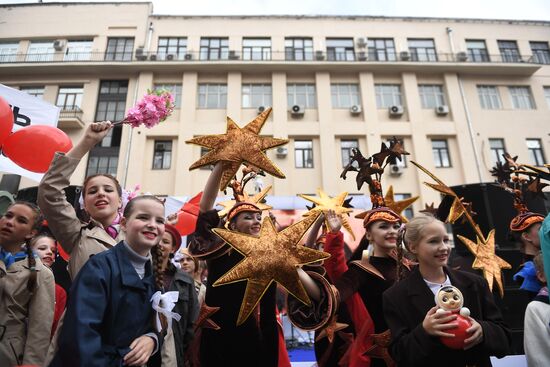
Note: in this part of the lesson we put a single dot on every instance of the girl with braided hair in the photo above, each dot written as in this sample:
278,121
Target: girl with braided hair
109,317
26,290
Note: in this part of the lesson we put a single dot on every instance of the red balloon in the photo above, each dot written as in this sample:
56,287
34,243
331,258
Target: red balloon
33,147
6,120
460,334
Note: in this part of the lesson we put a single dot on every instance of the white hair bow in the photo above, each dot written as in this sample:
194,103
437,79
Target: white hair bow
164,303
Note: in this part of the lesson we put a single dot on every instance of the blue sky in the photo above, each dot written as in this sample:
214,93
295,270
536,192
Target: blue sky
496,9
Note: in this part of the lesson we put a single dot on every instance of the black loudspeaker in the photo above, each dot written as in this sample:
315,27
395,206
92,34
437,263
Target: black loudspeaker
495,209
71,192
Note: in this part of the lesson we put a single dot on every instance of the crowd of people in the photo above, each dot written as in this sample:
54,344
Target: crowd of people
139,296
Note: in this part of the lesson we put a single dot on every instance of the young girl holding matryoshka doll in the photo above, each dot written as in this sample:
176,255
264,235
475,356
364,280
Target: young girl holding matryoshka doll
416,325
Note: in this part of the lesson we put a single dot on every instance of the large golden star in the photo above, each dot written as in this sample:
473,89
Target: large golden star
239,146
256,199
487,260
324,203
271,257
398,206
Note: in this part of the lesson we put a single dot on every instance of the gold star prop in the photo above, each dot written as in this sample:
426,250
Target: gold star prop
379,348
239,146
271,257
256,199
204,321
398,206
487,260
330,330
324,203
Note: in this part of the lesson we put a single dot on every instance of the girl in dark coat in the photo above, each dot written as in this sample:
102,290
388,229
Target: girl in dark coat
109,318
410,311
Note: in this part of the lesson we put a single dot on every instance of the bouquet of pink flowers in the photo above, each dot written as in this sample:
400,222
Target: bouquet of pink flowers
153,108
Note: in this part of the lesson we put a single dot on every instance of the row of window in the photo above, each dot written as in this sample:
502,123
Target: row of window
303,152
296,49
214,96
534,146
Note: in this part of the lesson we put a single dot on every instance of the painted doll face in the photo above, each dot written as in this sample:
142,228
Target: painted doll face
449,298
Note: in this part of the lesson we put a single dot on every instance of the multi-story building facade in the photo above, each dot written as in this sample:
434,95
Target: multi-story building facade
459,92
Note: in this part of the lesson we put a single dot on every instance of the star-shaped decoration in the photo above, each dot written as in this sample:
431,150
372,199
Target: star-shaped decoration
487,260
204,321
324,203
364,168
237,146
457,210
381,155
271,257
396,151
398,206
429,209
501,172
330,330
257,199
510,161
379,348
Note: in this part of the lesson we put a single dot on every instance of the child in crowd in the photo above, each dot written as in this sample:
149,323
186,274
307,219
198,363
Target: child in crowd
26,290
191,266
109,318
410,311
45,246
536,339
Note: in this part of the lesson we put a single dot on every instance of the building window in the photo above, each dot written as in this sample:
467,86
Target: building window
301,95
256,49
388,95
119,49
175,89
175,46
422,49
303,153
536,154
111,103
256,95
407,213
212,96
431,96
162,157
40,51
477,51
298,49
497,150
78,50
440,152
541,52
203,152
381,49
8,51
547,95
102,164
69,98
340,49
489,98
214,49
522,98
344,95
33,91
509,51
346,147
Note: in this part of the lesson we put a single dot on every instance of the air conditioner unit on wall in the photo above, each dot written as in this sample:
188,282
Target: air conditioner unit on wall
282,151
170,57
153,57
362,56
396,170
319,55
395,111
355,110
58,45
188,56
140,54
233,55
297,110
442,110
362,42
462,56
405,55
260,109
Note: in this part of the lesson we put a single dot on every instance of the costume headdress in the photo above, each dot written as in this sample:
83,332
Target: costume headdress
370,170
514,178
242,202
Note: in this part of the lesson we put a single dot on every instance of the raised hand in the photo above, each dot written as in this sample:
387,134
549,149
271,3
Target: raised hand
334,221
435,323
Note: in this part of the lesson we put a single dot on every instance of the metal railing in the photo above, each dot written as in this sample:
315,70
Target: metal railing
71,112
274,56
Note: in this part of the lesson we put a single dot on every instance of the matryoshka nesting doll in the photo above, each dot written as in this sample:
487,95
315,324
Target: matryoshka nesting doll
449,298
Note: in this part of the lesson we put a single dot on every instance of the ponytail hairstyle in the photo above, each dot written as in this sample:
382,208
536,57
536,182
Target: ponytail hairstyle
36,224
400,251
156,254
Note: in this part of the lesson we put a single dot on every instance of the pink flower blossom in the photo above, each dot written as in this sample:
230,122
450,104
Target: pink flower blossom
153,108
